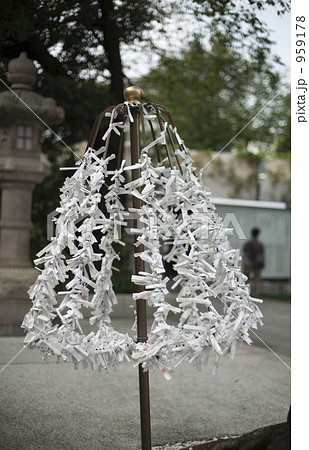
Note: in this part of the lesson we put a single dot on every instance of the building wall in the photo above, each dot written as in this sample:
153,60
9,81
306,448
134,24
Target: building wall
274,221
229,175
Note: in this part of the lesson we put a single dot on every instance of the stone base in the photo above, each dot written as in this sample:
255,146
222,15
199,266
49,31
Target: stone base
14,300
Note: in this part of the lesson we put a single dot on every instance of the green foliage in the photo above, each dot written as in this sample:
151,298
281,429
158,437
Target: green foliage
75,39
283,147
82,39
280,297
82,101
214,94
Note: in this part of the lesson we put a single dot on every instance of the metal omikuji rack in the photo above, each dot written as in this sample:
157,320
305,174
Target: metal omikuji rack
133,95
172,206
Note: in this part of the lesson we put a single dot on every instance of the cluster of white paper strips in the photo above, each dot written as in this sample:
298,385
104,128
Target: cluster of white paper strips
176,208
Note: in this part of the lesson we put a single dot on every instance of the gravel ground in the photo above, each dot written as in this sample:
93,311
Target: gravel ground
47,406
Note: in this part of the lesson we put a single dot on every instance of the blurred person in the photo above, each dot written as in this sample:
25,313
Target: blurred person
254,260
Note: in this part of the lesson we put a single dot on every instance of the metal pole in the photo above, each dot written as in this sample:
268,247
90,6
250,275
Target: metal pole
140,303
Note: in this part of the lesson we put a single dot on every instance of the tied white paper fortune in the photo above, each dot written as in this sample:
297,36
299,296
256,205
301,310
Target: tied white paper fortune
176,209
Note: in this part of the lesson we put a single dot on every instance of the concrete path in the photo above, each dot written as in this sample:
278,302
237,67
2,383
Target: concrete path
276,331
49,406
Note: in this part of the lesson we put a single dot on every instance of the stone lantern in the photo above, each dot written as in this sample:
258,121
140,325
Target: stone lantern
23,113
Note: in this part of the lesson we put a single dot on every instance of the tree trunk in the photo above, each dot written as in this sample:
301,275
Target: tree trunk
37,50
111,46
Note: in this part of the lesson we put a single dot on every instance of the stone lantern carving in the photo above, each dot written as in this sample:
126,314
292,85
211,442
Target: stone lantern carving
22,166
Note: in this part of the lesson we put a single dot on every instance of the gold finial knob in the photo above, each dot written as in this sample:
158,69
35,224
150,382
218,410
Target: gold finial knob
133,94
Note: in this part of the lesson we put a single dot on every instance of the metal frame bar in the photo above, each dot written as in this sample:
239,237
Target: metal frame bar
140,303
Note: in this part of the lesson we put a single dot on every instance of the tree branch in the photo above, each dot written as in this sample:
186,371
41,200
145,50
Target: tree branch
36,50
